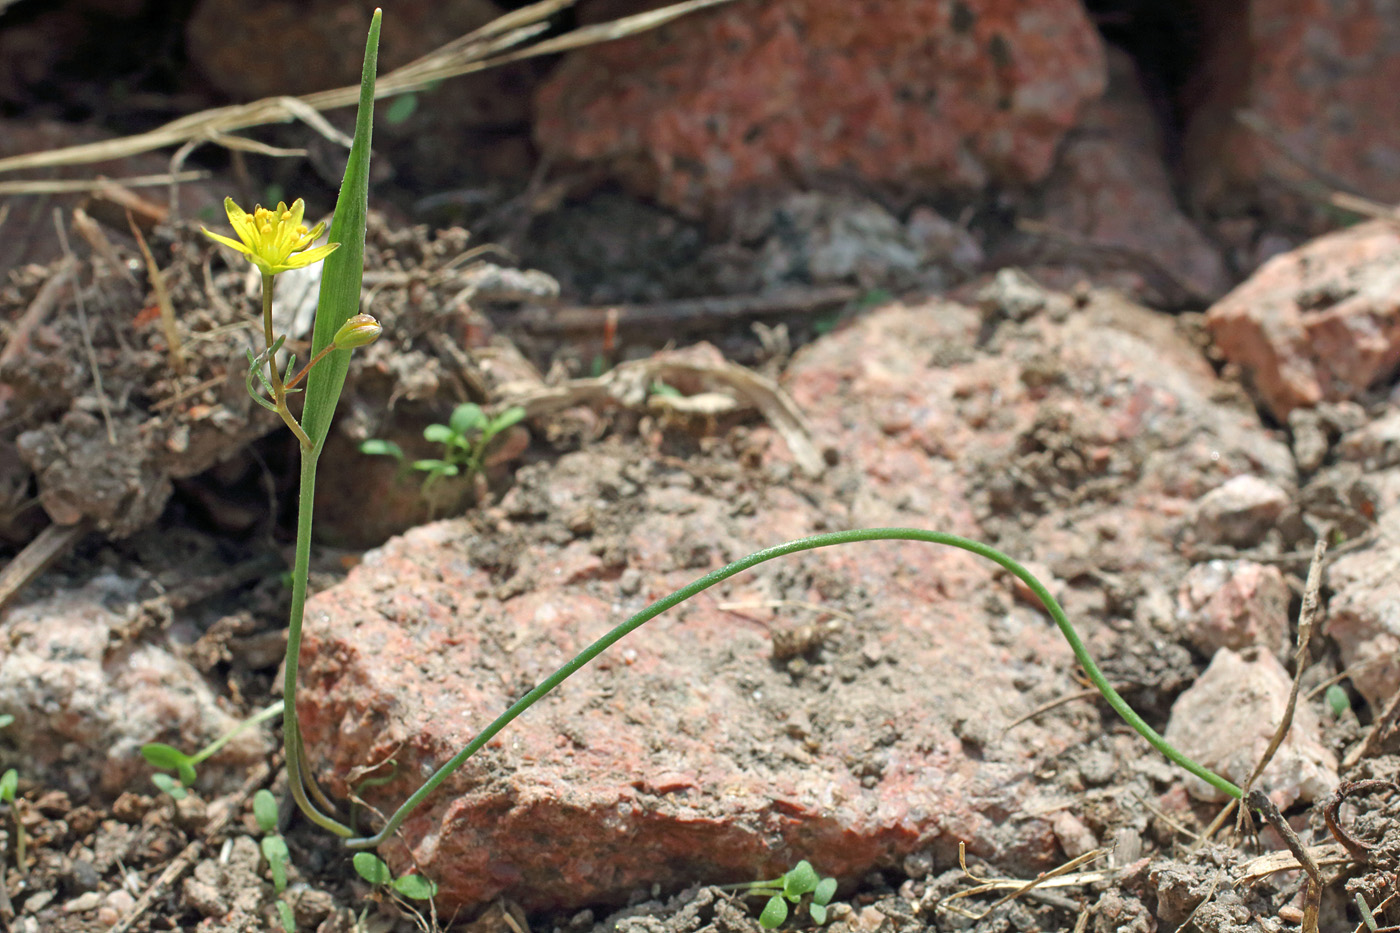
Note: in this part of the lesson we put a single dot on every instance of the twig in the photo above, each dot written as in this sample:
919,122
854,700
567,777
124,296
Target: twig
690,314
87,334
1383,725
1312,887
1306,614
37,555
162,296
43,303
1358,849
478,51
1088,693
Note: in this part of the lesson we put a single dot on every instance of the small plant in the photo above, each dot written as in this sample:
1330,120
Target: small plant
791,887
274,850
9,793
376,871
464,439
170,758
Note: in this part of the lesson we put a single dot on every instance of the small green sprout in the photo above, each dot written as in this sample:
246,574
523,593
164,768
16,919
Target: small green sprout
1337,700
274,850
9,792
170,758
800,880
373,869
464,439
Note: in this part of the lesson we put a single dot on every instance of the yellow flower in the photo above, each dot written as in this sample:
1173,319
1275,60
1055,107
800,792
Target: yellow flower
274,241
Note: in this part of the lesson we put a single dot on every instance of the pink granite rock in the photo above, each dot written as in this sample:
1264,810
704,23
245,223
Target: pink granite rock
1226,720
707,746
1321,322
924,95
1362,617
1234,604
1112,174
86,698
1319,76
1239,512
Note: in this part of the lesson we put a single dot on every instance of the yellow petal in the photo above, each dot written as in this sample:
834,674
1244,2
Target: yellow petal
241,247
300,260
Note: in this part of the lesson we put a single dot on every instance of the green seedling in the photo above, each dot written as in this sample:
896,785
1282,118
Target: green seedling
376,871
791,887
1337,700
9,792
274,850
464,439
281,243
170,758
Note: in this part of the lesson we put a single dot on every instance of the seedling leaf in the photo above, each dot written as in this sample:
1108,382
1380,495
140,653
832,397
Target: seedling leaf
436,467
169,785
416,887
467,417
825,891
289,920
508,418
160,755
774,913
274,849
799,880
1337,699
6,719
378,447
438,434
372,868
9,785
265,811
818,914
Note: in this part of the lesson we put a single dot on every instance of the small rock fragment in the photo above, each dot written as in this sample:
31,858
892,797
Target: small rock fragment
1240,511
1234,604
1225,721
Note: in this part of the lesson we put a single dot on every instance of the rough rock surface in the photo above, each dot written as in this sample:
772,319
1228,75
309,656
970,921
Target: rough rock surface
1239,512
1227,718
1319,77
858,719
86,697
1363,615
1319,323
1112,173
924,94
1234,604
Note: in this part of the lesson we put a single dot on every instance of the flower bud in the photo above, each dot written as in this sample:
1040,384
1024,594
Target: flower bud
361,330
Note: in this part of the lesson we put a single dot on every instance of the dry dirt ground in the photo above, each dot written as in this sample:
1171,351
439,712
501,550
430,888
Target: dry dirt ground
179,485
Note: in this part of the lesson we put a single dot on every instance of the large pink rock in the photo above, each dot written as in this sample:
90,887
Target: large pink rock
1364,613
1320,77
1319,323
922,95
730,738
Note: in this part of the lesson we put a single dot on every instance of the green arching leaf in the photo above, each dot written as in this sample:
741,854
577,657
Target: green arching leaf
9,785
289,919
274,849
825,891
6,719
169,785
160,755
799,880
774,913
343,273
818,913
372,868
265,810
505,419
376,447
466,418
438,434
416,887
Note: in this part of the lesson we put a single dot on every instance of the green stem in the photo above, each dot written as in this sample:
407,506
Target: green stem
221,741
1081,654
279,393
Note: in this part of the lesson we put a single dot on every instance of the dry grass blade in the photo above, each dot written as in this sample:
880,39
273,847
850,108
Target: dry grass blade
1306,614
1062,876
163,302
485,48
1323,856
82,185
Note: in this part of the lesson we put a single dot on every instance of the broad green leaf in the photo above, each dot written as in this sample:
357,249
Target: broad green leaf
168,784
774,913
825,891
466,418
372,868
343,273
274,849
416,887
818,913
801,879
265,810
438,434
9,785
1337,699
